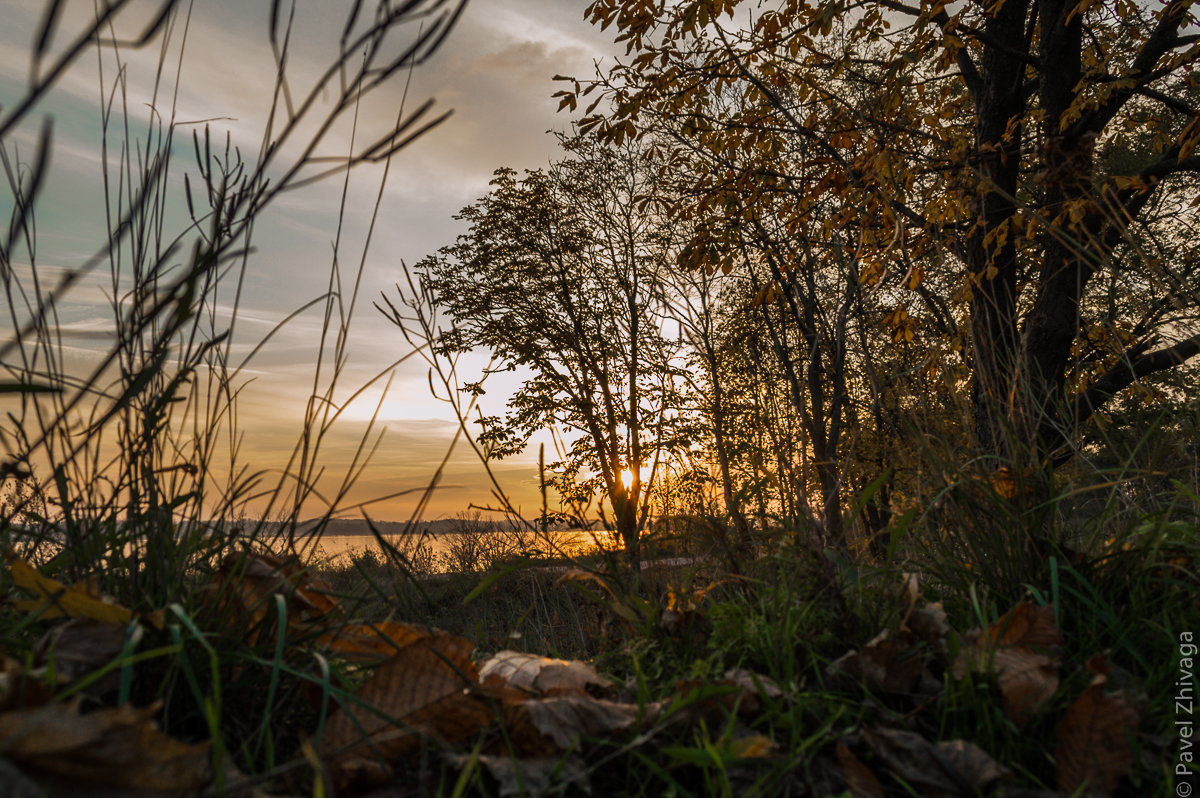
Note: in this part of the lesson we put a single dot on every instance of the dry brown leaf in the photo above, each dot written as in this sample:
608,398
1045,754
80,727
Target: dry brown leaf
755,690
764,686
89,586
548,725
247,583
118,746
971,763
421,691
754,746
541,675
1006,483
942,770
80,646
928,624
270,573
1026,625
861,782
19,688
1027,680
744,698
1021,650
372,641
532,776
883,665
1093,737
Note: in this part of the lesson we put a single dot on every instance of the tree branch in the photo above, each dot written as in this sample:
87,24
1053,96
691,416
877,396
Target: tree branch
1164,38
1128,371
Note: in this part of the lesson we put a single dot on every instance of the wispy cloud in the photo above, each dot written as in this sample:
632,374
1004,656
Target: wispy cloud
494,70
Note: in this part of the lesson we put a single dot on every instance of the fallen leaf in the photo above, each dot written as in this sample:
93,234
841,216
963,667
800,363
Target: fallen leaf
1007,484
1093,737
543,726
1021,650
883,664
725,695
56,600
861,782
741,691
421,691
755,746
247,583
935,770
270,573
19,688
117,746
928,624
542,675
971,763
80,646
1026,625
763,686
531,776
371,641
1027,680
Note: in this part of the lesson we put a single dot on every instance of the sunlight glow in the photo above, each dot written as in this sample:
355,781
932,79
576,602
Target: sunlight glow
627,478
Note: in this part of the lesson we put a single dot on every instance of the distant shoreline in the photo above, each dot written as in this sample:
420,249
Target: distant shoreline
357,527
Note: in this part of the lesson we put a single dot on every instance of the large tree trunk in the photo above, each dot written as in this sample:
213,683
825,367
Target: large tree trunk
625,508
1053,324
992,269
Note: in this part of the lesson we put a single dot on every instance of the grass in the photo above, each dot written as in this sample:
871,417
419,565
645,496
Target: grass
1127,603
249,679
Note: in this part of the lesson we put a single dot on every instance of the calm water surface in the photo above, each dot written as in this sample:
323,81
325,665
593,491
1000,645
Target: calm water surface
439,549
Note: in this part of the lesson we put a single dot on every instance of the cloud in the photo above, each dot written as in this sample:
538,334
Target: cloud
494,70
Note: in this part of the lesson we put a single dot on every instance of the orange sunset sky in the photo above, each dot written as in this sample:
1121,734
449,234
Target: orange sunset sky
495,70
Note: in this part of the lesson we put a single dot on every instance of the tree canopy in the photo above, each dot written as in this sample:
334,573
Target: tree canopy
1016,178
557,277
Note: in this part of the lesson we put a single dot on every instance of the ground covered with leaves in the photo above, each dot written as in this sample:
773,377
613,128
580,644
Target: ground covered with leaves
271,679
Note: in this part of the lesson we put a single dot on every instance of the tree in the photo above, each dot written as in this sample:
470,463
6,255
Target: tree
813,300
556,277
693,302
975,138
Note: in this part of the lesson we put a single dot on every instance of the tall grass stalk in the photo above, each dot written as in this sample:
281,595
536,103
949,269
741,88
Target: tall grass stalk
132,470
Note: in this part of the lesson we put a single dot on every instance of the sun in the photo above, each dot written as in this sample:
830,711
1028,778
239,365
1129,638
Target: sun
627,478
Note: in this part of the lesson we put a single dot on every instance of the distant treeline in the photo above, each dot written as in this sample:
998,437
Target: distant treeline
359,526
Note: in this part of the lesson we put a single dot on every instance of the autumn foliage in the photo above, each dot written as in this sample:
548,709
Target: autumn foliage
987,171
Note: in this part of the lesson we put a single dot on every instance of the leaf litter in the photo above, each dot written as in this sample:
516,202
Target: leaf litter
1021,651
422,688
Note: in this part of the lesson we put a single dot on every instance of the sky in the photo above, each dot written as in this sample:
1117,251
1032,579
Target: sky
494,70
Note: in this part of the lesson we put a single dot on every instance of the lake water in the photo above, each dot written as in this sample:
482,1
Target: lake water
427,551
447,551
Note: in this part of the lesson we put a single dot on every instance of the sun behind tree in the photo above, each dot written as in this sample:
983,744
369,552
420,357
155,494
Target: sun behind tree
627,478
